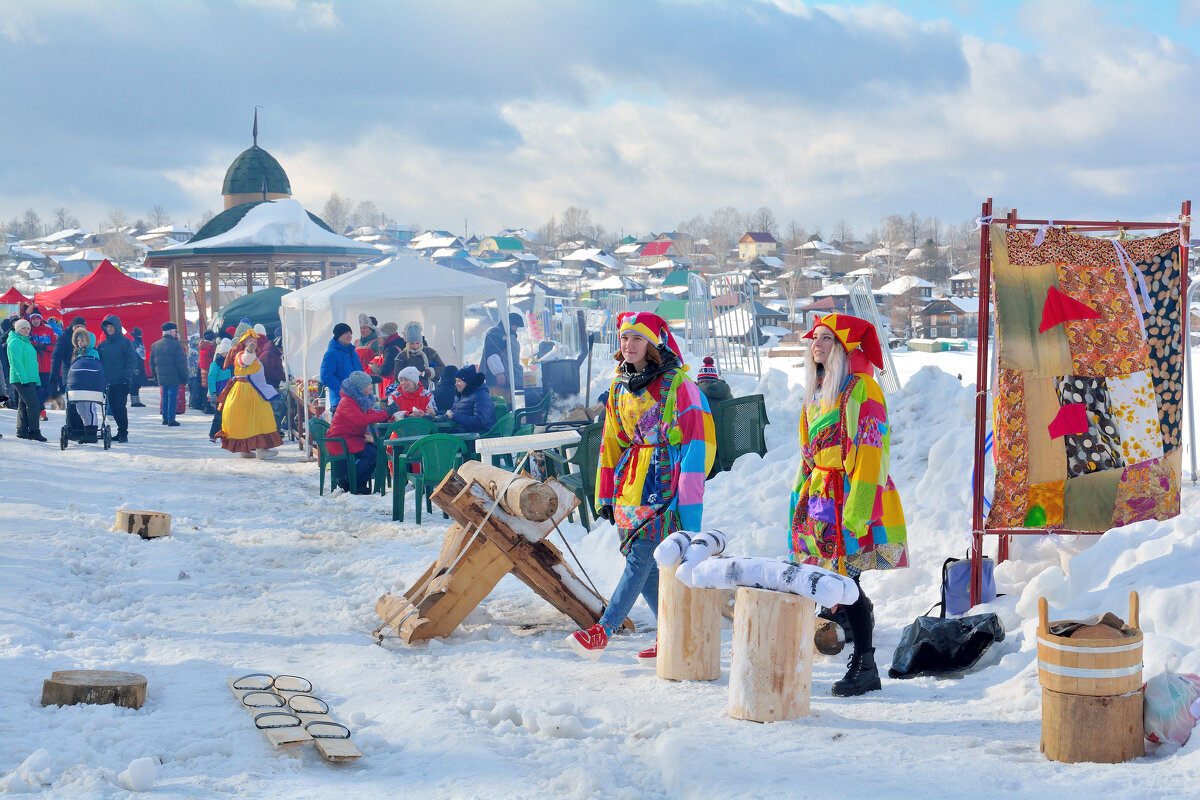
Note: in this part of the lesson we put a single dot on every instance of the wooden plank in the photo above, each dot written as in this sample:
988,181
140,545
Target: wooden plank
331,749
279,737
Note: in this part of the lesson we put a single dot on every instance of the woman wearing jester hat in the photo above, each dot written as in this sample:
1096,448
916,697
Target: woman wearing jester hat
845,511
658,445
247,422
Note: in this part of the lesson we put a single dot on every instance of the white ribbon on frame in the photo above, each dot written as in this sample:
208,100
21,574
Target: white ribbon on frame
1128,268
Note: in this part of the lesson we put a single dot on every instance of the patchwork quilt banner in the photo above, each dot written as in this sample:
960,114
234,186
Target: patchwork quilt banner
1089,335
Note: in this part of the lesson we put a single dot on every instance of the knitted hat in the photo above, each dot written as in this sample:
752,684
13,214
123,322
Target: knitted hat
412,332
410,373
515,319
360,379
650,327
78,321
260,329
169,326
34,311
709,371
224,346
341,329
854,334
389,329
472,377
22,326
365,322
209,336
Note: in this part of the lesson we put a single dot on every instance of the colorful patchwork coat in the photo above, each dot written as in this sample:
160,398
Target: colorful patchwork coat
845,511
650,457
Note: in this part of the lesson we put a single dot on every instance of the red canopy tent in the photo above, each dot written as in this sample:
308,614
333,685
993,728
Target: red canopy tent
109,291
13,297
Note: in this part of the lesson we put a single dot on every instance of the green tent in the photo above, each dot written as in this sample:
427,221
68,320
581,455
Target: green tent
260,307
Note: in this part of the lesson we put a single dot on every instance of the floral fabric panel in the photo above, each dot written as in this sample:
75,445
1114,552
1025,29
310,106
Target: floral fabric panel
1149,490
1134,407
1045,505
1099,448
1164,330
1011,449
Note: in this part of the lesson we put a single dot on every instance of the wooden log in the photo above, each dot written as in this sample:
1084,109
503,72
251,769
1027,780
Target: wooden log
97,687
538,564
689,630
521,496
770,673
1105,730
146,524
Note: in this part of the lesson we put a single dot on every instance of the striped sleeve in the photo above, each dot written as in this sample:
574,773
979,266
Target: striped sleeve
866,459
697,452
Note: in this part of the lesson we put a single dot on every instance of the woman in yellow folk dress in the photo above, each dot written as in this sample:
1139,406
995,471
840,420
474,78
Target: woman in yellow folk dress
247,422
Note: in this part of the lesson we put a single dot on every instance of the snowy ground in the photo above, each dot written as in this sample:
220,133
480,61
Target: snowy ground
262,574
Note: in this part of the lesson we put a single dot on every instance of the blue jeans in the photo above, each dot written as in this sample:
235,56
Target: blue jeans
170,396
640,577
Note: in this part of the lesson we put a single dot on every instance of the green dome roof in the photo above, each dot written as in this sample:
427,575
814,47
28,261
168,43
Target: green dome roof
230,217
247,172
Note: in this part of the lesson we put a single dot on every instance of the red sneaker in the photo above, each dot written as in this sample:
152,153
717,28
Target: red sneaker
590,643
649,656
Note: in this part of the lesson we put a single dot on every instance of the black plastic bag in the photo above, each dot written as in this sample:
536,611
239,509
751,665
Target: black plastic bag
932,645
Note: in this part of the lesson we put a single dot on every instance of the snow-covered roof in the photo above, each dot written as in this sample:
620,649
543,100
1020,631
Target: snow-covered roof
176,231
820,247
85,255
275,223
435,243
773,262
863,272
446,252
626,249
836,290
593,254
68,233
962,276
916,254
903,284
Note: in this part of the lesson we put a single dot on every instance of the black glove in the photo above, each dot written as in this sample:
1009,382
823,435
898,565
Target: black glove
391,408
376,379
606,512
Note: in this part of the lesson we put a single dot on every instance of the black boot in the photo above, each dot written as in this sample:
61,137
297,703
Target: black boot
861,677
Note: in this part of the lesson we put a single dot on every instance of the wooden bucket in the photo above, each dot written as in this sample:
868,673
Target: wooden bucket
689,630
770,673
1091,694
1095,667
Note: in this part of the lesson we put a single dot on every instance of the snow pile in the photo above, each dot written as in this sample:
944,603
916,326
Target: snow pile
262,574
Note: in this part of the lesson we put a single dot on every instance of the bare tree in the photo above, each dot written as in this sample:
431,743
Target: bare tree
117,219
336,213
366,215
577,224
914,229
794,236
63,219
725,226
894,227
205,217
31,225
763,221
933,227
548,235
793,283
158,217
842,232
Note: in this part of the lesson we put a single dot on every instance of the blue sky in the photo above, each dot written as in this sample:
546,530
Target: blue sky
646,112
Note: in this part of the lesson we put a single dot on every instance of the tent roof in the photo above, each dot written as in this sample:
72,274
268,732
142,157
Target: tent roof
106,286
13,296
404,277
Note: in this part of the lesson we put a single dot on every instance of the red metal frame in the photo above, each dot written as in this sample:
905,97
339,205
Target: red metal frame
981,368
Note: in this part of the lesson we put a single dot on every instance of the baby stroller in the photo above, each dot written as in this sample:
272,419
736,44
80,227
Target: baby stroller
87,405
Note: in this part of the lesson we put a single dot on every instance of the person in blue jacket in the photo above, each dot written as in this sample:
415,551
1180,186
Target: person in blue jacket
120,362
474,409
338,362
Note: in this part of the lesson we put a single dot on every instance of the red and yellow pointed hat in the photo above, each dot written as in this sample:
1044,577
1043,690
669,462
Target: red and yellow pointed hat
650,327
854,333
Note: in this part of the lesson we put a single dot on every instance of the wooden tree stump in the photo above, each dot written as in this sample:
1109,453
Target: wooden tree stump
146,524
770,673
689,630
1104,730
97,687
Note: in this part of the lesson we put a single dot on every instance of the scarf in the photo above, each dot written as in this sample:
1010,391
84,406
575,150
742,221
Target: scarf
365,402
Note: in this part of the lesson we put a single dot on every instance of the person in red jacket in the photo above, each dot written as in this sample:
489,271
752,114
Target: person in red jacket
413,399
42,337
350,420
208,351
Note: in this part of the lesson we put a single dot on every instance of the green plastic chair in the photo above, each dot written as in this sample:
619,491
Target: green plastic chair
504,426
500,404
528,417
586,458
436,454
409,426
318,430
740,425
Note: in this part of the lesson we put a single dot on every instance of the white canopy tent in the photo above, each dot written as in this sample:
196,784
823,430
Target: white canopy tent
401,289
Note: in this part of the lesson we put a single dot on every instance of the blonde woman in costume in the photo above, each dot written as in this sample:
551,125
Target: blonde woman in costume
247,422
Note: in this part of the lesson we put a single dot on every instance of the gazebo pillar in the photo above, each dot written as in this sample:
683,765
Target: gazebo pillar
201,300
214,286
271,271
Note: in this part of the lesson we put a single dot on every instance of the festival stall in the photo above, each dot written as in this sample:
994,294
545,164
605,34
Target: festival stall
400,290
11,302
109,291
1088,390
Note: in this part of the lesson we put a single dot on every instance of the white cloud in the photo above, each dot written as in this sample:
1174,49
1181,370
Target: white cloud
318,15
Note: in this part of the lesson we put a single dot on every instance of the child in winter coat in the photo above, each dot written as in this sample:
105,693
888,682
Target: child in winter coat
85,382
218,376
658,445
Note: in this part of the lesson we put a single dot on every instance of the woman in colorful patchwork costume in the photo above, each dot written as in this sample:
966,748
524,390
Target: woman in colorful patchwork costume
658,445
845,511
247,422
